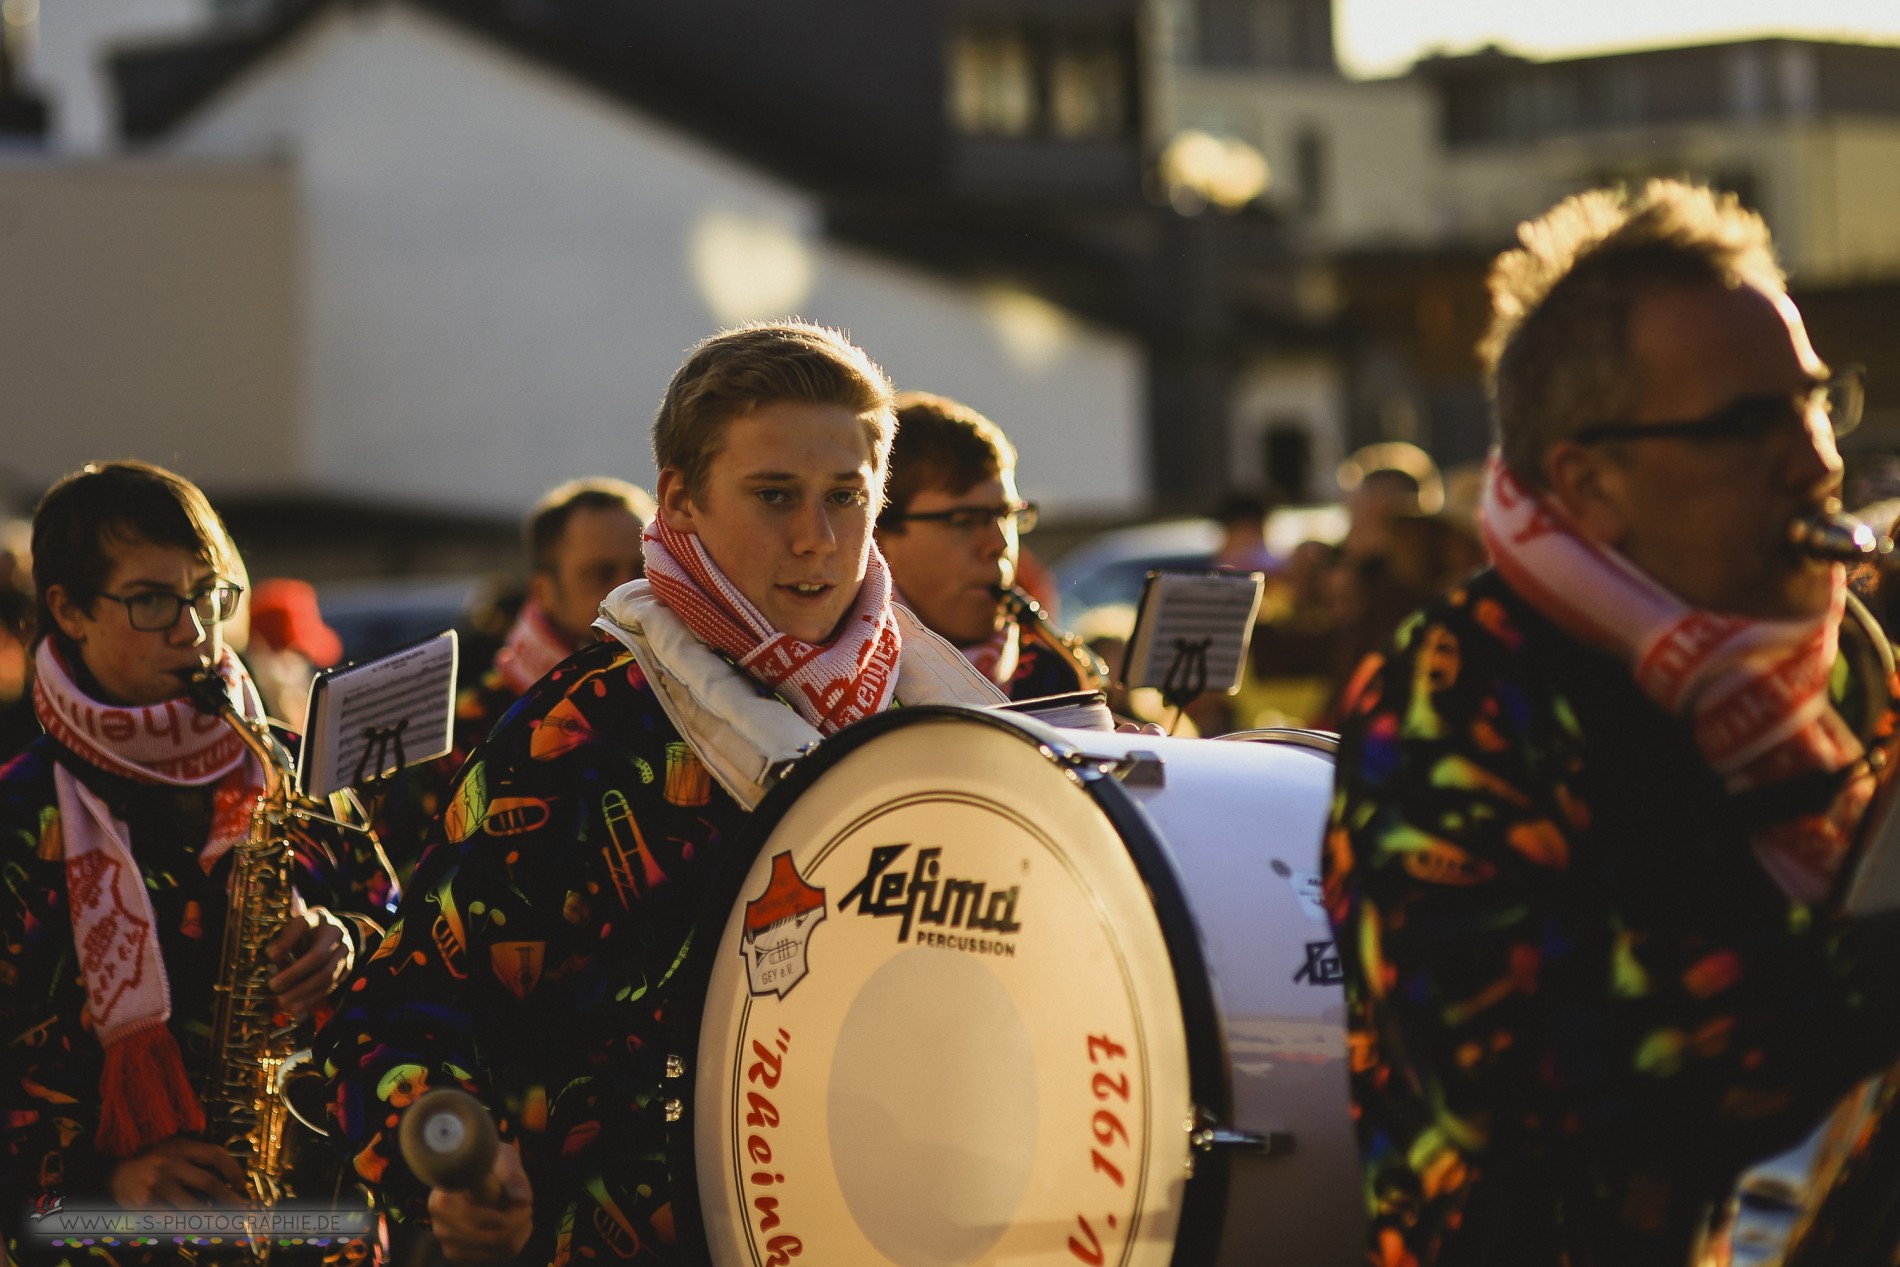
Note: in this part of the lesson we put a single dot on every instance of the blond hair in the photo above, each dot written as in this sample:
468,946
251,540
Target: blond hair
1557,356
737,371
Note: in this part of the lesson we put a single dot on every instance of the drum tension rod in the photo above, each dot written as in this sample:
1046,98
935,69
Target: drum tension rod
1208,1136
1140,768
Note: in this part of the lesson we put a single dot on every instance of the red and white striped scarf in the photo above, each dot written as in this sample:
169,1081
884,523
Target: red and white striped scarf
145,1095
533,647
830,686
1754,690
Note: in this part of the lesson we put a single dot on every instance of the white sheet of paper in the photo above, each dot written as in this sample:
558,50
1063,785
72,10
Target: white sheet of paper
412,688
1189,609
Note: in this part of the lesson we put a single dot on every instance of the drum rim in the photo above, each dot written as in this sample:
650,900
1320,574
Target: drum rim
1204,1198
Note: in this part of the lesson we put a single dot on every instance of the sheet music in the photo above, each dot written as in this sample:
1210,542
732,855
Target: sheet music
1206,615
1876,883
408,693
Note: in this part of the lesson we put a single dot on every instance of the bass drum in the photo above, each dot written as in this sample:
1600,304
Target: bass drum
991,992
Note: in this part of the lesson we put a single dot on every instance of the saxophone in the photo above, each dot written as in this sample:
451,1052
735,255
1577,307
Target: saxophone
254,1048
1091,673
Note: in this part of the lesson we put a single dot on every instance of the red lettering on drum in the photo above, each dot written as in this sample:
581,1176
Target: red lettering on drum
763,1116
1111,1087
767,1067
1091,1252
764,1112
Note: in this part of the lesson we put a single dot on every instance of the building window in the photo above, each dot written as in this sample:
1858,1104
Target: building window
1309,168
993,82
1018,78
1277,34
1087,86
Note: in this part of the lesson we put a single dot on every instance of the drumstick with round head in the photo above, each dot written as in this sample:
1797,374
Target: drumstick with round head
449,1141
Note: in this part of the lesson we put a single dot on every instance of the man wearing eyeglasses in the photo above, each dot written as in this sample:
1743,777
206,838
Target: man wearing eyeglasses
952,532
1593,810
116,828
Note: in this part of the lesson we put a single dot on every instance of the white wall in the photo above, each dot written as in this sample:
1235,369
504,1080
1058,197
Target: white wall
501,270
147,309
1378,144
1308,390
1827,188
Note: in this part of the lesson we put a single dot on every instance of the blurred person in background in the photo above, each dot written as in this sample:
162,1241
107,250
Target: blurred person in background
582,540
952,532
1592,810
583,543
289,643
1382,483
536,960
116,833
1371,596
1242,517
18,726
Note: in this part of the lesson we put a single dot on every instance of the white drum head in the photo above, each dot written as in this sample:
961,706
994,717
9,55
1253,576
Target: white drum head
942,1027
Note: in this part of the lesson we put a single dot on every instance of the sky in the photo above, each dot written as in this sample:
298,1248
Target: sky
1383,37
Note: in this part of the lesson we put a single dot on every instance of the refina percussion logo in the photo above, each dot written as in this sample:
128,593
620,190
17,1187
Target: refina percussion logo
918,895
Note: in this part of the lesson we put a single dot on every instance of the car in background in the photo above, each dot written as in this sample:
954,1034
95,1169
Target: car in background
1108,570
374,617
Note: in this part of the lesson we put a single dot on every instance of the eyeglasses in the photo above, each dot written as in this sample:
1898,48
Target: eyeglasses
157,610
1840,399
1022,515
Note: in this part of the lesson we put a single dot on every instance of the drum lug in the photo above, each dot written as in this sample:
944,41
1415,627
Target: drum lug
1209,1135
779,769
1140,768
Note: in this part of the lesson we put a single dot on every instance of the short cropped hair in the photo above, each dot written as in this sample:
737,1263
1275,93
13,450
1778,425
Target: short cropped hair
941,444
1557,356
547,522
120,503
736,371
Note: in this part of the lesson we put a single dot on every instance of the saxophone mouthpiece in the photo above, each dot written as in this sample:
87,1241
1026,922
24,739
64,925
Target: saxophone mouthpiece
208,692
1838,537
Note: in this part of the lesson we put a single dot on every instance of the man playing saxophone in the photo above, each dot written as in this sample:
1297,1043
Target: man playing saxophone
951,530
117,829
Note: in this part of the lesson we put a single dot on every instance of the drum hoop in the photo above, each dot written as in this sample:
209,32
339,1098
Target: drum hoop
1204,1199
1325,741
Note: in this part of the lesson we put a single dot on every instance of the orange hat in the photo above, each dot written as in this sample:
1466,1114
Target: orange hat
284,614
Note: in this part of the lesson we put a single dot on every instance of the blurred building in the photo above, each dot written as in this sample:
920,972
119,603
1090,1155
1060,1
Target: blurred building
440,255
1397,193
1805,131
432,255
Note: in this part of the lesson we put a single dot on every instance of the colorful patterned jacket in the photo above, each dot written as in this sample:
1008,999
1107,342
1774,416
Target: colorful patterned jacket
407,809
51,1064
530,962
1577,1005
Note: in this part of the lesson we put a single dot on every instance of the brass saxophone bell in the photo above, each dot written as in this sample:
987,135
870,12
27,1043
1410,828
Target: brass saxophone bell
1838,537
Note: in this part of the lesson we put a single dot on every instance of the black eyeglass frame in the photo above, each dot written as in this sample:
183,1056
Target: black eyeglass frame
1749,418
1024,515
219,612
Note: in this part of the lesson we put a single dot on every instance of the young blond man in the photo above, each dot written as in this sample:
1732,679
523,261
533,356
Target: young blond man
531,966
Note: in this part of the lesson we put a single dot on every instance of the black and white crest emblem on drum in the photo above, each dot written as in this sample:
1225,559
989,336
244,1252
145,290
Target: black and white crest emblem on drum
991,992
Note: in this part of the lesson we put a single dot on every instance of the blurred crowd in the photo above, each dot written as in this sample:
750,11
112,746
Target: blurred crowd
1328,606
